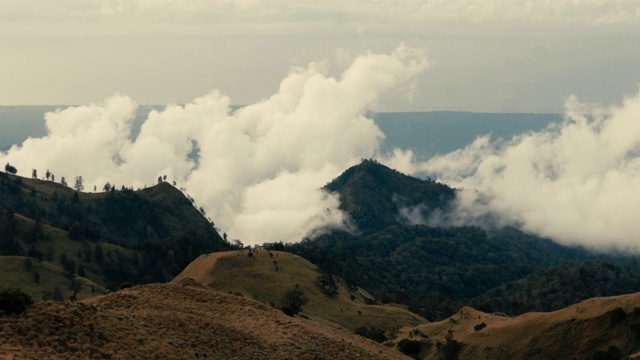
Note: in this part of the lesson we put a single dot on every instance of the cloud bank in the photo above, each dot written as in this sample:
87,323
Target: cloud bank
259,168
577,182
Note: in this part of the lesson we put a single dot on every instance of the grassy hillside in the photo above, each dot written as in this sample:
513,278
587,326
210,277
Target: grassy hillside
434,271
175,321
267,275
18,271
598,328
112,237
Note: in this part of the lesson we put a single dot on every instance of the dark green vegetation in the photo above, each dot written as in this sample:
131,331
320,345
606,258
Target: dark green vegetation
436,271
13,301
372,194
112,237
293,301
560,286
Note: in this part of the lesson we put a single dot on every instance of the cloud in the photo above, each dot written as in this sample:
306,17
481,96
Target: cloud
577,182
199,17
259,168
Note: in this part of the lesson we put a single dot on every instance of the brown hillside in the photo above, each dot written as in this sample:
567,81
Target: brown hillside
175,321
586,330
267,275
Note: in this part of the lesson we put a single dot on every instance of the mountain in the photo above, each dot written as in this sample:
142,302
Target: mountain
268,275
175,321
440,132
435,271
373,195
111,237
597,328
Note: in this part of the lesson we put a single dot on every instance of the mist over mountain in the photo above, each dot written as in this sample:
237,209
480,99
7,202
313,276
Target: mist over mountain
258,170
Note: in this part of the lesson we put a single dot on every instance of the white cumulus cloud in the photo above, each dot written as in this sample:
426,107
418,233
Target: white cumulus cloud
260,168
577,182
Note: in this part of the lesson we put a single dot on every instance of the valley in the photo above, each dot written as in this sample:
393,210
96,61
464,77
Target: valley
143,273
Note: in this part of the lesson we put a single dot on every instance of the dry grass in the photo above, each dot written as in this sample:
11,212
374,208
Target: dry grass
267,275
177,321
576,332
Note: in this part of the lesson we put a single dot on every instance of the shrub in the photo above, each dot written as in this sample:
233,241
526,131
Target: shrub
410,347
327,284
373,333
14,301
451,348
480,326
293,301
57,294
617,315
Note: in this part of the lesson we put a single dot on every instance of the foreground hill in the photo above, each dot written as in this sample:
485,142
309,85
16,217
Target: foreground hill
175,321
598,328
267,275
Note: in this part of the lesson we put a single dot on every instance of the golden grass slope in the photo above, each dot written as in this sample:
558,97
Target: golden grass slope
576,332
175,321
267,275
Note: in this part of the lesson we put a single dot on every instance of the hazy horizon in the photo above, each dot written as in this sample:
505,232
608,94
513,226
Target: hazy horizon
484,56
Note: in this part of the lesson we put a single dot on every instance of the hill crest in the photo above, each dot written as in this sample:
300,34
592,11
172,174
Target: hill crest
375,195
267,275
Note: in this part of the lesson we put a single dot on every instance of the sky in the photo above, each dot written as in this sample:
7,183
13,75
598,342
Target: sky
485,56
309,73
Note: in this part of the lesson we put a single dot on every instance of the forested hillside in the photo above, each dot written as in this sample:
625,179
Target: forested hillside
435,271
118,236
560,286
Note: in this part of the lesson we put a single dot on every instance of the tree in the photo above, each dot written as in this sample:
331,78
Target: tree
34,174
75,286
79,184
106,187
98,253
75,232
47,174
57,294
327,284
81,271
14,301
10,169
28,264
53,178
63,181
69,266
293,301
374,333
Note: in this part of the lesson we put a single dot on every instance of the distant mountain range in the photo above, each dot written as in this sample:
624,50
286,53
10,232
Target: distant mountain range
425,133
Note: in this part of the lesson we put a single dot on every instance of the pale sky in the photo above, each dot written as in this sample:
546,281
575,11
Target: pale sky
487,56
